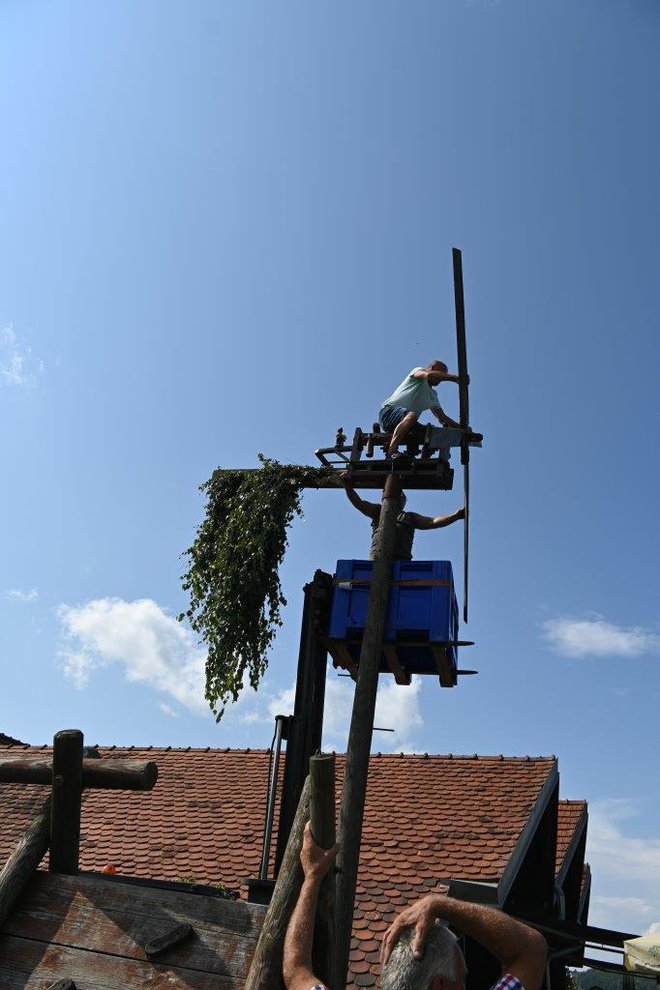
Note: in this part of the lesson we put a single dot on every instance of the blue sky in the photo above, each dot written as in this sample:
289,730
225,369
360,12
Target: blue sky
227,228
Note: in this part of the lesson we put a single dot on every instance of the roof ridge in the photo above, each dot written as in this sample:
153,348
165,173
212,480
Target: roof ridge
495,758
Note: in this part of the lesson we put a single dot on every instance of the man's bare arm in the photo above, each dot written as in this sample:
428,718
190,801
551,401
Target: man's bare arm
436,522
444,419
297,963
520,950
366,508
435,377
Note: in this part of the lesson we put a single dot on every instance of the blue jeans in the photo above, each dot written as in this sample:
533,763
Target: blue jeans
390,416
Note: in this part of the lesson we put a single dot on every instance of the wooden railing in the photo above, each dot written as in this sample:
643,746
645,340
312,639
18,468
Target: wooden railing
57,825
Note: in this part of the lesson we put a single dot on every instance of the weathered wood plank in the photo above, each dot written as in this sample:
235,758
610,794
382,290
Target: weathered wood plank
109,774
28,965
24,860
104,916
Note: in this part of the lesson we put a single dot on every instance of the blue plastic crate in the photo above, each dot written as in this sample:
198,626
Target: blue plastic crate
422,614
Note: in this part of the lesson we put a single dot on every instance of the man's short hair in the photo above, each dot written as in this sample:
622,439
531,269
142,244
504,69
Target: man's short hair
442,957
441,366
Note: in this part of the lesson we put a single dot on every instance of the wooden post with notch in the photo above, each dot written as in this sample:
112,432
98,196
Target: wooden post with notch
361,730
66,803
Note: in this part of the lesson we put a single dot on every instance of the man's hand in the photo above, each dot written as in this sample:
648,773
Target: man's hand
315,861
421,916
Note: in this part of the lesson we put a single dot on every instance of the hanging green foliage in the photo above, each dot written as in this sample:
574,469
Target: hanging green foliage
232,577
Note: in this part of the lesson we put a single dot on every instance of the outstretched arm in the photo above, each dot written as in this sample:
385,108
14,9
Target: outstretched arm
520,950
436,522
366,508
297,964
444,419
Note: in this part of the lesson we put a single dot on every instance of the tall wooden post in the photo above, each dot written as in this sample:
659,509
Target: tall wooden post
322,819
67,799
361,731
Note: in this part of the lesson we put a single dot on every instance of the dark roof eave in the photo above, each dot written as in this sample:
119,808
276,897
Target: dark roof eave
517,857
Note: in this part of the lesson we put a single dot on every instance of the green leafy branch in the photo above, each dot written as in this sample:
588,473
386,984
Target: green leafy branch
233,571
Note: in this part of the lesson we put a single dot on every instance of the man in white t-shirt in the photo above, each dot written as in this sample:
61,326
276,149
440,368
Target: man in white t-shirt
401,410
418,952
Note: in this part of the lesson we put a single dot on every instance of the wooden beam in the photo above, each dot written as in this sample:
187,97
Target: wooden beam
443,665
342,658
67,797
322,818
401,676
19,868
107,773
362,722
266,970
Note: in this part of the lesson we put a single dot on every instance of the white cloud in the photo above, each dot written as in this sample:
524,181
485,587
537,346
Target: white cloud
653,928
18,365
281,704
618,854
23,596
150,646
595,637
167,710
397,707
625,868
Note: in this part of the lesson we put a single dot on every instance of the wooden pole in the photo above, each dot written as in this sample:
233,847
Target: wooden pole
266,967
24,860
67,797
322,818
107,773
361,731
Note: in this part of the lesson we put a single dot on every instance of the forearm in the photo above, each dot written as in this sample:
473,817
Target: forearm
444,419
300,933
439,522
366,508
504,937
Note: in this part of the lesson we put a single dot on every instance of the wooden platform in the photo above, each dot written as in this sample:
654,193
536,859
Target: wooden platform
93,929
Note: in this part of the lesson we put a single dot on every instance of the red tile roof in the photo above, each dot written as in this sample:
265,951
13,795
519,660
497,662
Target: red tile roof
427,818
569,819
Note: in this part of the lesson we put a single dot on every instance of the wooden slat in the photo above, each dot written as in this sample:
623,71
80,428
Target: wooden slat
105,916
29,965
400,675
443,665
402,583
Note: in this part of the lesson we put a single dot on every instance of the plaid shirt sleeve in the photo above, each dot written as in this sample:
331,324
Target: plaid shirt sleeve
508,982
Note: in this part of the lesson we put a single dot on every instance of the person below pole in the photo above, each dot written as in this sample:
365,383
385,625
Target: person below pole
406,523
418,952
401,410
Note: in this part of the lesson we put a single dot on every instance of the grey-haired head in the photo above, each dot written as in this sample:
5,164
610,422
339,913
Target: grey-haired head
441,965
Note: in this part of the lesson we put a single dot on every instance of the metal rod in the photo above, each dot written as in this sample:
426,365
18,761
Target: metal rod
464,411
272,789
